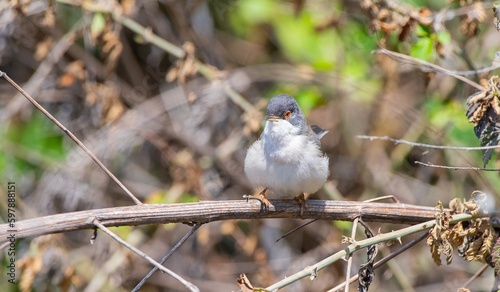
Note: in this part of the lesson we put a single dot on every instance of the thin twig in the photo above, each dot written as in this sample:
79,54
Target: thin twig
360,245
436,68
349,261
295,229
388,197
148,35
165,258
73,137
475,72
476,275
428,164
238,98
189,285
366,269
353,237
384,260
400,141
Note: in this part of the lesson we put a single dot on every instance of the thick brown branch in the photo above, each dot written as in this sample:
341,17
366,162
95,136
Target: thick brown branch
208,211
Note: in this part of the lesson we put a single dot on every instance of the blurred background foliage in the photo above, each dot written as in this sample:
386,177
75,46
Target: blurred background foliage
163,120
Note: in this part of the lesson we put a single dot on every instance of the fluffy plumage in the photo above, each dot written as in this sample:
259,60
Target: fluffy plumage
287,159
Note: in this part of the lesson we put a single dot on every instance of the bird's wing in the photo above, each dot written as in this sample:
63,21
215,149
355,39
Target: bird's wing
317,133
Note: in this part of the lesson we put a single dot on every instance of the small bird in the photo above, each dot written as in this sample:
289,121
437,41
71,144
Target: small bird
287,159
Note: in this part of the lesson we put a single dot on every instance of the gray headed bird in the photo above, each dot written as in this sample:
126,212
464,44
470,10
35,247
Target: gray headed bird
287,159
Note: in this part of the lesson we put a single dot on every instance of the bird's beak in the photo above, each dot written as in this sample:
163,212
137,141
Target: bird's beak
273,118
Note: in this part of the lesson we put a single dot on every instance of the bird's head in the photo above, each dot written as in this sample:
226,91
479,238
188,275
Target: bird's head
284,109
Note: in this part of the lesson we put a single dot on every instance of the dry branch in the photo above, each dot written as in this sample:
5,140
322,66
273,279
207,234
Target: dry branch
209,211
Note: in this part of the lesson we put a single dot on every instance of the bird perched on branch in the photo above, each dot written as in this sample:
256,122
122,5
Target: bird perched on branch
287,159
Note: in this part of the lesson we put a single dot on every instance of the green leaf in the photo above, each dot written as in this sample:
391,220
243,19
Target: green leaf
189,198
421,31
443,37
245,15
299,41
309,99
423,49
256,11
98,24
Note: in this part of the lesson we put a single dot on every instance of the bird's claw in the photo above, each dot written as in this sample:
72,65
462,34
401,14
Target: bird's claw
263,200
261,197
303,206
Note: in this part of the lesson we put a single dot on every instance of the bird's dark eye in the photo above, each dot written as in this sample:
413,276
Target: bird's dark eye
287,115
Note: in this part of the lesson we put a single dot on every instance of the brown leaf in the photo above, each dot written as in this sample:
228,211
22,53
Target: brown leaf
483,109
113,48
43,48
431,242
74,71
172,74
244,284
496,256
66,80
487,246
425,16
29,268
48,18
128,6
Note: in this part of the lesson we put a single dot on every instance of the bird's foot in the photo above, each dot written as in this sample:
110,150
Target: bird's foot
264,202
303,205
